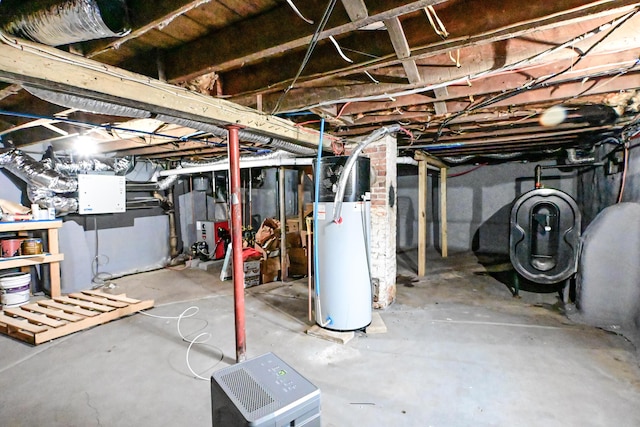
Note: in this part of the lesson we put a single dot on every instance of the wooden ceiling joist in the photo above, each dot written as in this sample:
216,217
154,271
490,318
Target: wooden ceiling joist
48,68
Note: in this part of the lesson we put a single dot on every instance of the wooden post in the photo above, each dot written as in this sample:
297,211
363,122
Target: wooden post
422,217
284,269
300,200
443,212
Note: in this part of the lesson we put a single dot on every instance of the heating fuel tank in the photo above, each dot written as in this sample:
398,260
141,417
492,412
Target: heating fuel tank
545,236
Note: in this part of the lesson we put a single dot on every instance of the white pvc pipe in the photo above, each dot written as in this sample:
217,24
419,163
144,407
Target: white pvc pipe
244,163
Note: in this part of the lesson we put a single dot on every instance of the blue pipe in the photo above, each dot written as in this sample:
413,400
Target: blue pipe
316,198
109,127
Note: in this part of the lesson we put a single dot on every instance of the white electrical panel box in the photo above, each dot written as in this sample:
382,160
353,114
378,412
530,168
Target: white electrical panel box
99,194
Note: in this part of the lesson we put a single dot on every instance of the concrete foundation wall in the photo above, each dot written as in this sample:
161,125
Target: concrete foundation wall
478,204
8,188
141,247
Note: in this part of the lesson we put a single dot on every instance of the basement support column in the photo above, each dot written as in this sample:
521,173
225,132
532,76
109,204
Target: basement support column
284,268
383,154
422,217
443,213
236,242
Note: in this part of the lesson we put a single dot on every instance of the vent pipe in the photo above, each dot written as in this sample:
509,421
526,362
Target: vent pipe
58,23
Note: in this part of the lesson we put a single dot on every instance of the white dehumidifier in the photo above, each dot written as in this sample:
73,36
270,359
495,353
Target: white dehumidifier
263,392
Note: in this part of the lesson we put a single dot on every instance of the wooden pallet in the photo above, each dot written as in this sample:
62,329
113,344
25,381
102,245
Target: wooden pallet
48,319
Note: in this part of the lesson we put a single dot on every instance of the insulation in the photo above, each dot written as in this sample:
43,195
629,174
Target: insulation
35,173
45,198
244,135
86,104
71,21
120,166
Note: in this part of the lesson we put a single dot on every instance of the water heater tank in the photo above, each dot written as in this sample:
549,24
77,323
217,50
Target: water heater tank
545,236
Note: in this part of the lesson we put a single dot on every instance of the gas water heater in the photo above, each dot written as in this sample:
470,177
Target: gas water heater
343,286
545,236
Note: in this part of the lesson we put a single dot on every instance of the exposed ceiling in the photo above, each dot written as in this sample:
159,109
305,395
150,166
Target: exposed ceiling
465,77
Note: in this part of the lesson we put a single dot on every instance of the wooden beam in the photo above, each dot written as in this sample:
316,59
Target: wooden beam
356,9
49,68
441,106
402,49
145,17
429,159
422,217
443,213
472,34
255,39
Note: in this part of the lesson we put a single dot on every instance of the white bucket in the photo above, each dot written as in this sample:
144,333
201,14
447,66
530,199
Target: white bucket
14,289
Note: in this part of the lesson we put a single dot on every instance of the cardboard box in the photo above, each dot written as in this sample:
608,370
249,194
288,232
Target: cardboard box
293,225
251,268
297,262
294,240
269,269
251,281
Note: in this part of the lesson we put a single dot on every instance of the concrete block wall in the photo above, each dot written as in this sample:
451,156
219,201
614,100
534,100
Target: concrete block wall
383,220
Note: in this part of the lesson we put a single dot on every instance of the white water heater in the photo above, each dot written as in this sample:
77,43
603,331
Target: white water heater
343,295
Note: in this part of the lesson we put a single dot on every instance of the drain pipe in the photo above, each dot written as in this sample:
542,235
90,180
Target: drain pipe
236,242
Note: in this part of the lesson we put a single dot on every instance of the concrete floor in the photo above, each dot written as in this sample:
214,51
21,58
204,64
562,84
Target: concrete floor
459,351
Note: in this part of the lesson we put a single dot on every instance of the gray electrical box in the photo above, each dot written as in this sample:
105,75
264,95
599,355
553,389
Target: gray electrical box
263,392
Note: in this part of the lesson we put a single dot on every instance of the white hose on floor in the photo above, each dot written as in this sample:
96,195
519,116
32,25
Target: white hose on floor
196,340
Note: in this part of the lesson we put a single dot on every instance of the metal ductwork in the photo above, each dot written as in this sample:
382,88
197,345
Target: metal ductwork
161,185
243,134
86,104
58,22
574,159
35,173
120,166
46,198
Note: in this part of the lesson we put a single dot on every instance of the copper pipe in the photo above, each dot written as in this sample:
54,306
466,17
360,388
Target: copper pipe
236,242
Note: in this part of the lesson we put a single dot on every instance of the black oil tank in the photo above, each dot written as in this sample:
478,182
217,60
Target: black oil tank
545,236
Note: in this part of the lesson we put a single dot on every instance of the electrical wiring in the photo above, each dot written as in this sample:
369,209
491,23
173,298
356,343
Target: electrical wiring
107,127
518,65
201,338
312,45
541,81
297,12
339,49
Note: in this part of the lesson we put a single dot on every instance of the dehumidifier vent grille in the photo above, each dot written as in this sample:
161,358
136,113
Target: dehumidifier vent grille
249,393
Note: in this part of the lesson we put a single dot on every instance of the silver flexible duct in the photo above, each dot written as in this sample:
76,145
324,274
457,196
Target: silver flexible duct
242,134
46,198
70,21
161,185
120,166
344,176
35,173
86,104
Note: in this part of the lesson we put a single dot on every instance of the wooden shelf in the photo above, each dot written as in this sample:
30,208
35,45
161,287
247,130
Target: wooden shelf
53,257
6,263
30,225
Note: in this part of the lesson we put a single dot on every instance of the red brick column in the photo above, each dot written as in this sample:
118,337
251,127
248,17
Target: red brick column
383,155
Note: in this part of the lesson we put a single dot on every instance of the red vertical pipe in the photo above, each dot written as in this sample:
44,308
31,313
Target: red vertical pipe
236,242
